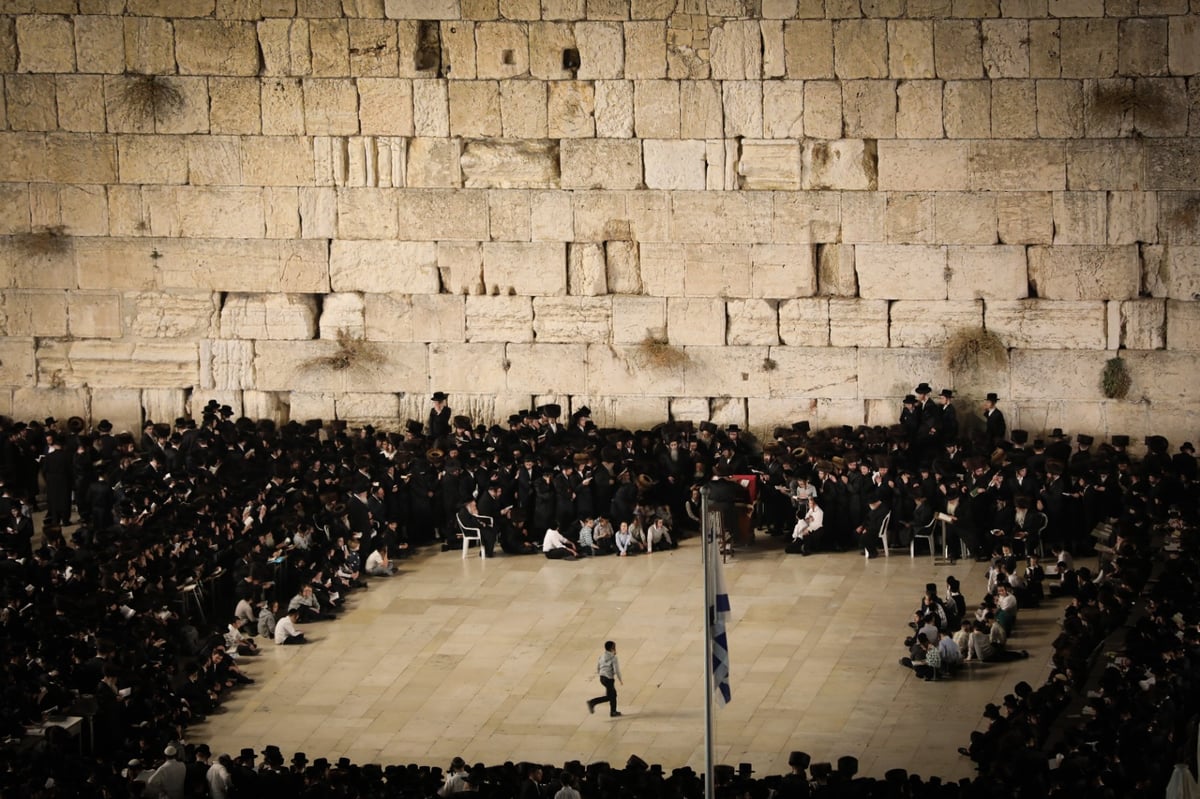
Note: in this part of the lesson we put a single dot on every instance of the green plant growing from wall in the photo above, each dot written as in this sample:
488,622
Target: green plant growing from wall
654,350
150,97
352,352
1115,381
969,349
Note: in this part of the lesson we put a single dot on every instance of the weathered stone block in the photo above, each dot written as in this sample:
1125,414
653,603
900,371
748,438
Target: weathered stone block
1014,109
923,165
813,372
375,409
1006,48
26,100
225,365
958,50
571,110
1183,45
279,365
1085,272
635,318
268,316
967,108
80,102
216,47
121,406
804,322
601,163
1089,48
149,46
919,109
727,371
860,48
508,215
341,315
550,216
385,106
858,323
438,317
634,370
693,320
94,315
572,319
910,48
808,48
783,109
805,217
523,109
1182,325
508,164
431,108
1080,217
823,109
1143,324
742,104
677,164
623,269
736,50
848,164
1024,217
601,50
178,314
964,218
869,108
1181,266
117,364
887,372
909,218
499,318
475,109
779,271
835,270
1060,108
33,313
1043,324
1056,374
234,106
1016,166
614,109
99,44
752,322
501,50
705,118
901,271
545,368
529,268
206,212
929,324
282,101
1143,46
992,272
382,266
656,109
443,215
45,43
645,50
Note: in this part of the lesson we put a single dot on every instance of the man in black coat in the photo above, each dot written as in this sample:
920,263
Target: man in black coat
56,471
868,531
995,427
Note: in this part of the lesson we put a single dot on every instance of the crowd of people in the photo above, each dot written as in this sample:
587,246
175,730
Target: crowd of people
163,554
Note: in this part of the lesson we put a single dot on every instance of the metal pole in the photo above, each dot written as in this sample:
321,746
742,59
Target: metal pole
706,538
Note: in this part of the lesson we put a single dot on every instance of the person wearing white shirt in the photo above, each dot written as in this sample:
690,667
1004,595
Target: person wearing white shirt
814,520
379,564
286,631
220,782
658,533
556,546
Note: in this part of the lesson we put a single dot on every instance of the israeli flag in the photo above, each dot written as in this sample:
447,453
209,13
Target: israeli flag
718,612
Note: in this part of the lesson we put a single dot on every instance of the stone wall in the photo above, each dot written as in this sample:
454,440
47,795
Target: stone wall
753,211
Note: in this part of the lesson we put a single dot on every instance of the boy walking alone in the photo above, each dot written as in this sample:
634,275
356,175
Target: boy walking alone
610,672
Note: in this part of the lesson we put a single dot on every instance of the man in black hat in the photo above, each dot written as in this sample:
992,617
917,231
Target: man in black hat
993,420
947,423
868,531
439,417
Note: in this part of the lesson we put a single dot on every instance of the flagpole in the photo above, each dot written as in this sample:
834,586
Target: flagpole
709,608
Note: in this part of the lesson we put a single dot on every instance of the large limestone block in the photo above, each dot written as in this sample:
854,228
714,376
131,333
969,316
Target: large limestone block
860,48
475,108
538,368
282,102
958,49
813,372
645,50
284,44
226,365
509,215
431,108
1133,217
276,161
149,45
780,271
924,324
385,106
728,371
434,163
622,267
509,164
33,313
178,314
380,409
1182,325
635,318
742,108
637,412
919,109
656,109
635,370
389,317
804,322
205,212
17,364
162,404
501,50
705,117
1181,265
80,101
1060,106
99,44
752,322
46,43
909,218
694,320
523,109
715,270
823,109
694,409
586,270
1163,377
888,372
604,216
94,315
118,364
869,108
1006,48
858,323
572,319
805,217
1080,217
725,217
923,165
808,49
374,47
268,316
27,110
83,210
1048,374
304,405
121,406
423,9
736,50
614,109
364,213
1025,217
530,268
571,107
1014,109
1046,324
1183,45
341,315
601,50
678,164
443,215
901,271
1085,272
1089,48
991,273
234,106
1017,166
1172,165
280,366
601,163
769,165
783,109
967,108
381,266
499,318
329,41
458,49
1142,324
774,56
964,218
835,270
910,48
216,47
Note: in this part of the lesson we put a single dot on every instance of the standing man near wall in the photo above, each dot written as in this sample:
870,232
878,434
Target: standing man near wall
609,670
439,417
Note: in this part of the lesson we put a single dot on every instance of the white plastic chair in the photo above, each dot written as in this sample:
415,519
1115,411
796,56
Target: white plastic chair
883,531
927,534
470,534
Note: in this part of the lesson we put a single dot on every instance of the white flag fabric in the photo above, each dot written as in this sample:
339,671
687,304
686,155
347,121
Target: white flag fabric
718,613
